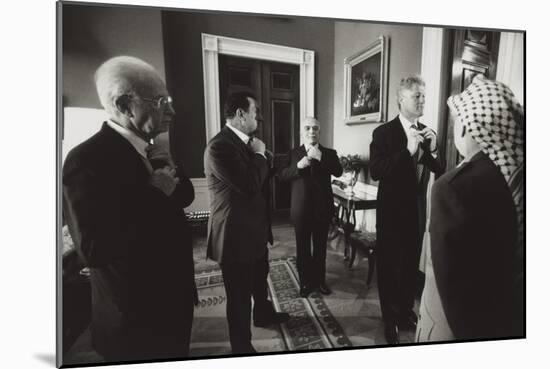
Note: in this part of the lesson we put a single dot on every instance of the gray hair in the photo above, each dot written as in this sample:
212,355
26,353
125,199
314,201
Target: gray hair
123,75
407,83
310,119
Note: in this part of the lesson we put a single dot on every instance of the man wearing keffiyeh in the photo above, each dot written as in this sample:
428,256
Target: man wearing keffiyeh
474,279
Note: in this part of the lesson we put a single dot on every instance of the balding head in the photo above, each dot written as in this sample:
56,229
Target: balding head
124,75
134,95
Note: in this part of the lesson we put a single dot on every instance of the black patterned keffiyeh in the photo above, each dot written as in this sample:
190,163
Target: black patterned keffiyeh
495,119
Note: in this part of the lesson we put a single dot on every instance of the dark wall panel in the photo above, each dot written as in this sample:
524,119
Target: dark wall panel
183,58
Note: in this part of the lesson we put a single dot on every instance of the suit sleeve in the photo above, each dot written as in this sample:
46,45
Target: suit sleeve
433,164
383,162
329,164
184,194
97,224
225,163
450,236
290,170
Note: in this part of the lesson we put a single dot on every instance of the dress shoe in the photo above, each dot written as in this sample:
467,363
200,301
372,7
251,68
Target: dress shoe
409,321
275,318
324,289
391,332
305,291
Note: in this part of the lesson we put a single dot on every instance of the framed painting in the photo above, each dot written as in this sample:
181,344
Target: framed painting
365,84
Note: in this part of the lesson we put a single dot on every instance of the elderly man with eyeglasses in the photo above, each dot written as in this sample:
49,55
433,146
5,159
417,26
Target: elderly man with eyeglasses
123,200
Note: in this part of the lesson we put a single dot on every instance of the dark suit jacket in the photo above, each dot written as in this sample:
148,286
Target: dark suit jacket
397,210
473,238
238,227
133,237
311,191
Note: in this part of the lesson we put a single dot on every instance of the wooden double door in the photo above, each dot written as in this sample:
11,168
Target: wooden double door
471,52
276,87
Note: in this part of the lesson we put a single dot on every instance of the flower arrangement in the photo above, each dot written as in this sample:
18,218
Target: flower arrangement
353,163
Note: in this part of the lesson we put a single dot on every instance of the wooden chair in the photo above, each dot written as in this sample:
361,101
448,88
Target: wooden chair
365,242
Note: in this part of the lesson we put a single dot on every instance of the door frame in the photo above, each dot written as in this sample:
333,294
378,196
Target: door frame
213,45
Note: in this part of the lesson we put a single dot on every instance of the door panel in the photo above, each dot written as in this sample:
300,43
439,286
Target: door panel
473,52
282,117
276,87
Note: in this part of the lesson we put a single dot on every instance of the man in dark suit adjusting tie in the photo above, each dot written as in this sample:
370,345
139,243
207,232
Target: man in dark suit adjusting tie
309,169
126,218
239,227
402,153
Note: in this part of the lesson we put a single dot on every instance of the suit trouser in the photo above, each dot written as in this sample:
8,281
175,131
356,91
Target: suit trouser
397,264
151,341
242,281
398,255
311,261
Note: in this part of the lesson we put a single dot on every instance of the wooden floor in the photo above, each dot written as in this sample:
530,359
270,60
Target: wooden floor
353,304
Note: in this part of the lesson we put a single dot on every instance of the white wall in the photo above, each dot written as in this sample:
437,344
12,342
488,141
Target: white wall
93,34
405,54
405,48
510,63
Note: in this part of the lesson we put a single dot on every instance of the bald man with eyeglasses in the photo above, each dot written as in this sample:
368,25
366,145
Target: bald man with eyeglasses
309,168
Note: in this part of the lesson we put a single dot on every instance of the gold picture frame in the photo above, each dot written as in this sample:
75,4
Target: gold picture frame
365,84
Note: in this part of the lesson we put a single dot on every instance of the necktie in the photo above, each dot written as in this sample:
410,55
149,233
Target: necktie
419,167
249,142
147,164
155,163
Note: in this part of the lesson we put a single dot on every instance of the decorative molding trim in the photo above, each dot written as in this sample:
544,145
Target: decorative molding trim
510,62
432,63
431,70
213,45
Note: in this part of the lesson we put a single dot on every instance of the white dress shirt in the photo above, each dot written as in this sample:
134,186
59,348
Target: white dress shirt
137,142
309,146
407,123
243,136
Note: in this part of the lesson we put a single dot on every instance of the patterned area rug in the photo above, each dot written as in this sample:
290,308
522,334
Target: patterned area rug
312,326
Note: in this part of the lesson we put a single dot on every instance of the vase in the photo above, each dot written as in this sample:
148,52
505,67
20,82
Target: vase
351,183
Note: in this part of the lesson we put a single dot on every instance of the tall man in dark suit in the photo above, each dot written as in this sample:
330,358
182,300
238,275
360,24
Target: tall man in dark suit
123,201
309,169
401,156
239,228
471,291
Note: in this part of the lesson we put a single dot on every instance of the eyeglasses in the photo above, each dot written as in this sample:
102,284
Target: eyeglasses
159,102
